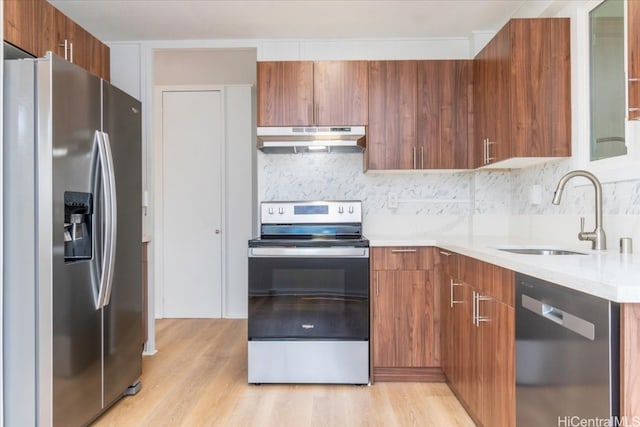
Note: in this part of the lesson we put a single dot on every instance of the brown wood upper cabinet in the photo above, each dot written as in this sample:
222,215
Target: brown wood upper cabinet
72,42
419,114
522,92
36,27
445,106
304,93
633,25
478,337
405,315
87,51
22,19
392,134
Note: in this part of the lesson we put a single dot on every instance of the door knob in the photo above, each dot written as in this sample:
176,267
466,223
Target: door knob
218,231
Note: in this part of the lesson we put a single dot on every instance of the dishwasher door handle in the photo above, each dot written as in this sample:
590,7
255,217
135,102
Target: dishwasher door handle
566,320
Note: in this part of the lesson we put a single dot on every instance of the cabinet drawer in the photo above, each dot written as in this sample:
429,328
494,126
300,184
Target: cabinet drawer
403,258
488,279
449,263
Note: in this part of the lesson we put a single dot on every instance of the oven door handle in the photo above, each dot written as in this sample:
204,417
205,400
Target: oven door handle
339,252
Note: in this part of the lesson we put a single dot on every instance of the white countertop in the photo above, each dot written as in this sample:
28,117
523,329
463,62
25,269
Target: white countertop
606,274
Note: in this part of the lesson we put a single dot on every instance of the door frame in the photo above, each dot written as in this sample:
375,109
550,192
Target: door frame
156,298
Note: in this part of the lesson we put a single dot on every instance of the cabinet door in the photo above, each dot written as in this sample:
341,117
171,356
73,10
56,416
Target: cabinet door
497,112
456,98
403,319
491,100
57,34
340,93
539,88
466,347
497,352
94,55
444,92
392,139
80,45
100,55
23,25
480,106
446,273
633,25
285,93
403,258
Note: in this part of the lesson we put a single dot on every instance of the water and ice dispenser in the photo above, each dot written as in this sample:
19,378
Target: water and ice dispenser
78,213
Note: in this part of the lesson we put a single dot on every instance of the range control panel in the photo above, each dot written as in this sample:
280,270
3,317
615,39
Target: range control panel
323,212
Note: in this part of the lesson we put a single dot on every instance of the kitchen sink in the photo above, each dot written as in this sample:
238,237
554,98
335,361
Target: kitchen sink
540,251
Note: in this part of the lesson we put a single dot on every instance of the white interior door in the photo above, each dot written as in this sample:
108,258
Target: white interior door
192,140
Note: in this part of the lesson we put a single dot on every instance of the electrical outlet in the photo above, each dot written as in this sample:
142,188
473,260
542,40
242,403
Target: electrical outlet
392,200
535,194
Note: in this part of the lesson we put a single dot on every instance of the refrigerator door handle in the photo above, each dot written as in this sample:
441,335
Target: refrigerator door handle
112,227
106,194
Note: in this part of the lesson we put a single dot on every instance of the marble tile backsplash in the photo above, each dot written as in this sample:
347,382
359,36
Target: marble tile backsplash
339,176
619,198
429,195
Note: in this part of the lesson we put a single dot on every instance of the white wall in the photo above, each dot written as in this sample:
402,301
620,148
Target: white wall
239,180
204,66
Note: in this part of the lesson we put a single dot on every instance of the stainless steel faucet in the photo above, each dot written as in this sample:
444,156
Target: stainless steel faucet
597,237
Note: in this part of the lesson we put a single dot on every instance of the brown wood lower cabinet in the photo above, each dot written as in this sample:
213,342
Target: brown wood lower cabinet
404,315
497,366
478,338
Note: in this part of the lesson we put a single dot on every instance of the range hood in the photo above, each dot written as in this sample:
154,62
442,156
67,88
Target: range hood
301,139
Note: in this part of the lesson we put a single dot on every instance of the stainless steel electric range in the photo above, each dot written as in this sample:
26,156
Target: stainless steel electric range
309,294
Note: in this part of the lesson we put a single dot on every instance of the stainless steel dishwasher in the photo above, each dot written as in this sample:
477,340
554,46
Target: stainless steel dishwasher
567,355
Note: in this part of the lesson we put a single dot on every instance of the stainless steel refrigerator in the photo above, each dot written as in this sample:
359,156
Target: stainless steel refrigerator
72,247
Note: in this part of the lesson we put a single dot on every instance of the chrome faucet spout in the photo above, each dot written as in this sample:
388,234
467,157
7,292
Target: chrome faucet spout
597,237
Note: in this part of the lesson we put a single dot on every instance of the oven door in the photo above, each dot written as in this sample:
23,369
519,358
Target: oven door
309,293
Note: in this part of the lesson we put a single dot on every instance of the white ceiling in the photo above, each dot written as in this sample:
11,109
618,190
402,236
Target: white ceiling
133,20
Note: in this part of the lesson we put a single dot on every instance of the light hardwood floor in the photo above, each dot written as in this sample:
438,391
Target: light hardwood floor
199,378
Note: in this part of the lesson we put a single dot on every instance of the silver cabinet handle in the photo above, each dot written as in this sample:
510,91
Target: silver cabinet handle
65,45
71,52
480,318
560,317
484,151
422,157
415,166
489,143
633,109
400,251
474,308
445,253
377,283
452,283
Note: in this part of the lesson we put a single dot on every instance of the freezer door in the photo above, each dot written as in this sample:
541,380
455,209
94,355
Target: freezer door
123,306
74,116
